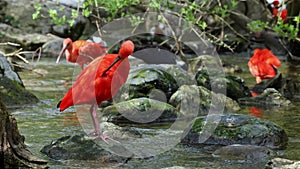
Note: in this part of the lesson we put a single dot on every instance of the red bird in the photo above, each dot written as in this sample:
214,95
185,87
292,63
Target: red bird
279,13
81,51
263,64
99,81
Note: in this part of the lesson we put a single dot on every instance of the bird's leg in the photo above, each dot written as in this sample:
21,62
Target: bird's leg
97,130
94,115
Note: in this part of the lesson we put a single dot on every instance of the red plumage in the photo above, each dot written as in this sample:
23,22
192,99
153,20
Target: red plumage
263,64
279,13
100,80
81,51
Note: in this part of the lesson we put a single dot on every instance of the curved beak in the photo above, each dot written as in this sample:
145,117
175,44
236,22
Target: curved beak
61,53
111,65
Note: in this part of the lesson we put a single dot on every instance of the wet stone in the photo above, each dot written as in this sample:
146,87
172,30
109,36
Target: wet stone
140,111
204,100
234,87
281,163
228,129
80,148
83,147
12,90
269,98
244,152
149,82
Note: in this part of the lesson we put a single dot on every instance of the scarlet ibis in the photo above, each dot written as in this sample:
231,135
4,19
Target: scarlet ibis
81,51
100,80
279,13
263,64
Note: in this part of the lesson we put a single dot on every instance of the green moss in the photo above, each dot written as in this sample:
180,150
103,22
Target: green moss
12,93
142,81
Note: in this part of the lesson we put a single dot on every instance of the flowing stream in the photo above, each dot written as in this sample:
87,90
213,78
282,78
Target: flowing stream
42,123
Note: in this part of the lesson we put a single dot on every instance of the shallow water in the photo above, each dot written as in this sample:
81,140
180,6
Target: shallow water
42,123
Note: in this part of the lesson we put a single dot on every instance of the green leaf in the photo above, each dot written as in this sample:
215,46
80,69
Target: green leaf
35,15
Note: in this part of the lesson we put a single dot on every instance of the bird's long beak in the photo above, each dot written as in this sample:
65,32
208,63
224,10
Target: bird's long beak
61,53
111,65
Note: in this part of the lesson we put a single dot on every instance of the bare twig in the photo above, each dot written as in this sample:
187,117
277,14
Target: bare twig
10,43
17,54
98,17
39,50
26,68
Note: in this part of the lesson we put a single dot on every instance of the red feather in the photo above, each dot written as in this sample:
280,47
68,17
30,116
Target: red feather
91,87
263,64
81,51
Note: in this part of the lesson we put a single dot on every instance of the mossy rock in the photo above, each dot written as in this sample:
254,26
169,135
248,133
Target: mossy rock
140,111
270,98
79,147
82,147
232,86
12,90
151,82
13,94
204,99
237,129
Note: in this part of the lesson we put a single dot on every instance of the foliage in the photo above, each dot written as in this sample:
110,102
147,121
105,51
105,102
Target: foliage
286,30
85,9
197,13
257,25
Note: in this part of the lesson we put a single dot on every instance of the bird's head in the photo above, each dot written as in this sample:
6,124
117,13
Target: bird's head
126,49
67,43
276,3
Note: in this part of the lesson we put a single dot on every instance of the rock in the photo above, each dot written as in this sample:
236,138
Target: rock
234,86
269,98
82,147
140,111
12,90
275,83
181,76
231,129
31,34
52,48
231,68
29,41
22,18
204,99
155,56
288,87
244,152
7,70
152,82
280,163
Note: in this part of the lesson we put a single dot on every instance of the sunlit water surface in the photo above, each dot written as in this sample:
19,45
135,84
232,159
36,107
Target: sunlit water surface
42,123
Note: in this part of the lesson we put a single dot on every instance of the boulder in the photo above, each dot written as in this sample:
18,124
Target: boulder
12,90
233,86
204,99
228,129
244,152
269,98
148,81
140,111
82,147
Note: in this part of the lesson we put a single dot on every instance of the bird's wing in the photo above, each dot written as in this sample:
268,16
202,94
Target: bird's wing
254,69
83,90
274,61
92,50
